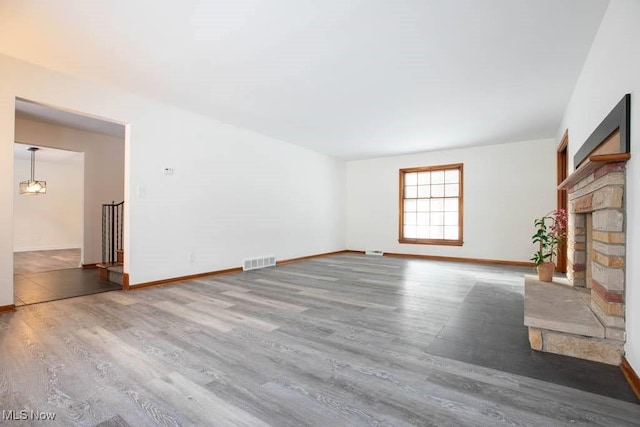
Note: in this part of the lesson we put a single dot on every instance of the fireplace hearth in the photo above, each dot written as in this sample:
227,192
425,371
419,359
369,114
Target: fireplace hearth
584,315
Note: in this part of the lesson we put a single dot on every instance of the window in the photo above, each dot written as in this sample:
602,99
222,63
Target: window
431,205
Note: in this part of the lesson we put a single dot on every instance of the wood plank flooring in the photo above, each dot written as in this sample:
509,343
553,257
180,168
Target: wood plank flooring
340,340
38,261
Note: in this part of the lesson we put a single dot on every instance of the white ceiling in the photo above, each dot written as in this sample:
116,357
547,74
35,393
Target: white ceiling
350,78
46,114
46,154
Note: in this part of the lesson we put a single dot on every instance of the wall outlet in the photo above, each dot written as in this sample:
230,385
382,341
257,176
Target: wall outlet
141,191
192,257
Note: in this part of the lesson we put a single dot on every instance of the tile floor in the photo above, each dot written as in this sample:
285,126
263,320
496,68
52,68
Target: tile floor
487,330
41,276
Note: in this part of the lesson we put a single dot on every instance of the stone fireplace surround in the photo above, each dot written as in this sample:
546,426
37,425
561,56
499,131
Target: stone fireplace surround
583,315
601,196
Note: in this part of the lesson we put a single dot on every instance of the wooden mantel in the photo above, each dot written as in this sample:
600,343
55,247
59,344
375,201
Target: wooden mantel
610,142
590,165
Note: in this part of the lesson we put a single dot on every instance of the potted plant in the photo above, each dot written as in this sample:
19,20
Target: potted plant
551,230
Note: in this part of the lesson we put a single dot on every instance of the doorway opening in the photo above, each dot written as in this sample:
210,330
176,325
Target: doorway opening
57,234
562,162
48,230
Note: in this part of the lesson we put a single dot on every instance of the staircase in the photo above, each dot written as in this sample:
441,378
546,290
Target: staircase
111,267
112,272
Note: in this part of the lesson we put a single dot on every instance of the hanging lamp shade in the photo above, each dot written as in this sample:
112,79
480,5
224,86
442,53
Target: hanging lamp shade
32,187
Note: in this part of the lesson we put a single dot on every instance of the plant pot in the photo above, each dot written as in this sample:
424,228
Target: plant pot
545,271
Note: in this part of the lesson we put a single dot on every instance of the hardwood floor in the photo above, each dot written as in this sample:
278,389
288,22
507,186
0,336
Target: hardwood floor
341,340
39,261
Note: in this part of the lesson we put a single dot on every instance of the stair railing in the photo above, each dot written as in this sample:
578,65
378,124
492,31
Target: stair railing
112,231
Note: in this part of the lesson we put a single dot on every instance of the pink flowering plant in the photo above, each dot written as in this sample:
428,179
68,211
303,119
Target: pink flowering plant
551,230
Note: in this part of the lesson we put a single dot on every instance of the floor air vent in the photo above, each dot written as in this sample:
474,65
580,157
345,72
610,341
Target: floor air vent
259,262
374,252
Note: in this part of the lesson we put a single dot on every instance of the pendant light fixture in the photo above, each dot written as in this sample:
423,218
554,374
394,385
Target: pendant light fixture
33,187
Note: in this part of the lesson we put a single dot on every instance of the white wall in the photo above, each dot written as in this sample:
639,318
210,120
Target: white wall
234,193
611,70
103,172
505,187
53,220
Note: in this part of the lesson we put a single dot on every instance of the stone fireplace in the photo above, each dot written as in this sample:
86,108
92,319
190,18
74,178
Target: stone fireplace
584,315
596,259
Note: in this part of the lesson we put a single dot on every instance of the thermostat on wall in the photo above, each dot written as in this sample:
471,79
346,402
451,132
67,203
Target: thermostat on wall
167,171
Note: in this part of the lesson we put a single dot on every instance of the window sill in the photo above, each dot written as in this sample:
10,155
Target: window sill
431,242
